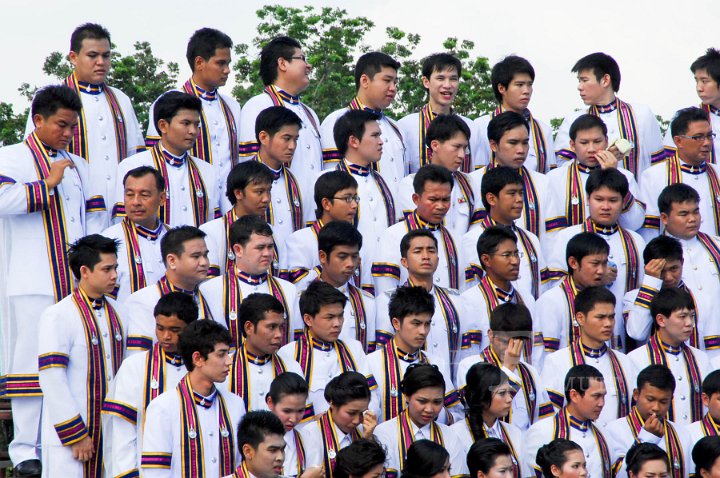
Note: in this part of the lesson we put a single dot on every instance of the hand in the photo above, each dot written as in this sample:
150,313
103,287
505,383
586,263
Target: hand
313,472
610,275
616,152
654,268
369,423
83,450
511,358
57,170
607,159
654,425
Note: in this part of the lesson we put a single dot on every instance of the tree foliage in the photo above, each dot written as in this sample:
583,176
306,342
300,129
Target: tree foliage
12,125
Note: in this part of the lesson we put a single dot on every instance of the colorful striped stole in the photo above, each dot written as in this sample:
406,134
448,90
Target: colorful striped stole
154,374
392,376
406,437
292,190
387,196
570,289
165,287
53,219
674,176
358,307
413,222
79,143
452,319
537,136
300,451
575,196
709,111
709,427
577,357
466,190
561,429
279,97
242,471
632,279
304,355
527,383
135,265
203,144
239,378
531,206
673,446
331,445
628,130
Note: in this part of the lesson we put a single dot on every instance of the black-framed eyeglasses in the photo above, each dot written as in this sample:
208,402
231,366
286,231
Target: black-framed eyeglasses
348,199
299,57
700,137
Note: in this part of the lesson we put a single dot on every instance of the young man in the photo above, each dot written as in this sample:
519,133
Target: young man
140,231
376,85
693,137
441,73
184,254
190,430
192,194
216,142
255,362
319,351
673,313
80,350
500,259
43,208
709,425
510,326
508,135
595,315
260,439
448,137
605,190
412,309
433,189
646,423
588,139
285,73
598,83
502,197
142,378
453,333
512,81
252,243
585,392
586,256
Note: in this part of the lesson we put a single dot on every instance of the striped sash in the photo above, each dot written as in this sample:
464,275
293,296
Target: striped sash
165,287
568,286
276,95
135,265
531,206
304,356
292,190
239,378
709,427
673,446
154,374
575,196
358,307
466,189
331,445
452,320
628,131
406,437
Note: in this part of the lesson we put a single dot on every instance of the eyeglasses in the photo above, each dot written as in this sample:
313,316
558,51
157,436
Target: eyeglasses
700,137
514,255
348,199
299,57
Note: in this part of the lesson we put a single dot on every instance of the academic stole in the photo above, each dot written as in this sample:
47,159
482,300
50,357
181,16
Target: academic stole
709,111
673,446
356,104
154,374
198,191
674,176
527,383
191,442
406,435
413,223
392,374
657,355
530,200
384,192
79,143
575,207
135,265
628,131
577,357
358,307
239,379
492,300
242,471
276,95
505,439
709,427
631,253
53,219
330,441
294,197
561,429
452,319
304,356
165,287
570,290
538,139
203,145
232,297
426,116
97,374
469,197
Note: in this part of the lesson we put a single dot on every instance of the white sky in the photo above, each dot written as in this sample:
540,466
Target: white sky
653,41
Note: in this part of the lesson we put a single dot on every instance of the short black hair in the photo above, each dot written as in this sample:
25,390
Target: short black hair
676,193
346,387
589,297
680,123
705,452
204,42
508,317
88,31
254,306
371,64
600,64
178,304
410,301
244,227
407,239
709,62
431,173
578,379
48,100
273,119
338,233
169,104
640,453
445,127
425,459
555,453
142,171
504,71
419,376
658,376
483,453
609,178
440,62
351,123
358,458
174,241
663,247
202,336
711,383
585,122
244,174
255,426
319,294
287,383
495,179
584,244
670,300
492,237
278,47
328,185
504,122
86,252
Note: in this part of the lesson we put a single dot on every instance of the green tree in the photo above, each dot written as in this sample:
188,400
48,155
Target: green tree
12,125
664,124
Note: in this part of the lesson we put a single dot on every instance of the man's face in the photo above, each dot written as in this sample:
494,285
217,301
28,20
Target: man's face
695,146
590,271
591,90
512,150
280,146
508,204
605,206
683,221
651,469
297,70
56,130
289,409
214,72
599,323
338,207
422,257
266,337
180,133
434,202
586,145
678,326
340,265
266,461
254,199
380,90
142,199
216,366
192,265
103,276
369,147
651,400
504,262
589,405
517,94
256,256
167,331
707,88
671,274
442,86
327,323
92,62
450,154
412,330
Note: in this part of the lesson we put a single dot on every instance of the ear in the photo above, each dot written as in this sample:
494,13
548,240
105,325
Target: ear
493,145
480,474
353,142
237,250
636,394
248,452
415,198
555,470
264,138
404,262
426,82
580,317
197,359
322,255
326,204
199,63
491,199
282,65
364,81
395,323
248,327
38,119
705,399
485,260
163,126
434,144
572,144
73,57
163,197
573,263
664,218
171,260
660,319
606,81
502,89
84,271
308,319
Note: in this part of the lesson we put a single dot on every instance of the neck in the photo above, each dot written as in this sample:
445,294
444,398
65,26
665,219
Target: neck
90,291
250,347
574,412
287,87
579,285
607,97
590,342
326,218
506,106
682,237
364,100
179,281
172,149
421,280
149,222
415,422
325,277
673,342
87,80
691,162
202,84
439,109
496,216
608,223
352,157
268,160
200,383
498,281
488,418
403,345
240,211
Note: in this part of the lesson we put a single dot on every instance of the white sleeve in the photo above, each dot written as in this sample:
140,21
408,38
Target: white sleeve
157,451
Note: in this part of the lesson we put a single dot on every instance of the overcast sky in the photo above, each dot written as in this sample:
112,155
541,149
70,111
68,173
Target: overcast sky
653,41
